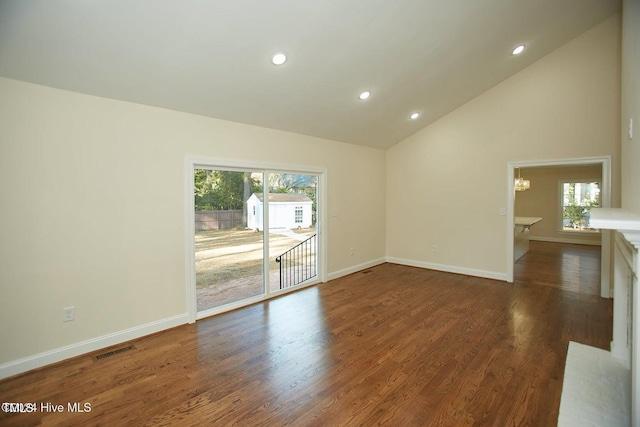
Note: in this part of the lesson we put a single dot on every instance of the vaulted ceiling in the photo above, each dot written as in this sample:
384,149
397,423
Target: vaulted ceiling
213,57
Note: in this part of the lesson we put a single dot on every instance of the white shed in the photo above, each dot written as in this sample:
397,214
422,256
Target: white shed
286,210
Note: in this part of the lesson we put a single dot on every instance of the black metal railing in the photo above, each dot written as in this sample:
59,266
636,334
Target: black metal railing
298,263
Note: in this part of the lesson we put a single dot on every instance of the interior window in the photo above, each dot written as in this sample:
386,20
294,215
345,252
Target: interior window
577,200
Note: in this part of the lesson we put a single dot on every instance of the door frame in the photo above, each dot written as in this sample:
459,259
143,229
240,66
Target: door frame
193,163
605,251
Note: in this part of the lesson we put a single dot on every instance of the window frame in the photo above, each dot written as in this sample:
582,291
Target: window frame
561,206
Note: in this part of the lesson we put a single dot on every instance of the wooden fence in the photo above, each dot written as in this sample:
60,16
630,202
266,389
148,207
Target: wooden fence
218,220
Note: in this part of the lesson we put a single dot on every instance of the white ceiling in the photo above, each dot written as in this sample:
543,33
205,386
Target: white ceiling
212,57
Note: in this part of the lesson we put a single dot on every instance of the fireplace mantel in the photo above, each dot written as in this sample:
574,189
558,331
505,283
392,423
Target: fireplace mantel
614,219
626,299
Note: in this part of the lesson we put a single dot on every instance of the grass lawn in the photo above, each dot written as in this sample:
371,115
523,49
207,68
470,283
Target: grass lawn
225,255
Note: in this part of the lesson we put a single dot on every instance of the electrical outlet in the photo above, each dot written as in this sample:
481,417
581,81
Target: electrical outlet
351,252
68,314
435,249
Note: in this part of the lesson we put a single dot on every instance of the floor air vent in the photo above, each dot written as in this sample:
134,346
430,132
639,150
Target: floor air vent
114,352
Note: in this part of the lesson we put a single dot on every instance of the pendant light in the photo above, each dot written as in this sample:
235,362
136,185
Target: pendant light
522,184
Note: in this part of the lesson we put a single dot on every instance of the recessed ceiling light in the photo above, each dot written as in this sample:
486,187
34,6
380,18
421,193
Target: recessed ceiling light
414,116
365,94
518,50
279,58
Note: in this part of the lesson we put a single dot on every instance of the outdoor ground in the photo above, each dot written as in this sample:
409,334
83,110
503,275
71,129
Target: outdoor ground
229,263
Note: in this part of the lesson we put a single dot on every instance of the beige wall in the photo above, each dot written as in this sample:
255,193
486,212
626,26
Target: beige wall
631,106
79,173
447,183
543,199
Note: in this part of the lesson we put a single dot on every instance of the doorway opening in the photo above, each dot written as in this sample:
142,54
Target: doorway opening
560,223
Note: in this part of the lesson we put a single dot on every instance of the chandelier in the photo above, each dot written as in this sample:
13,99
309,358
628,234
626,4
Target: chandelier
522,184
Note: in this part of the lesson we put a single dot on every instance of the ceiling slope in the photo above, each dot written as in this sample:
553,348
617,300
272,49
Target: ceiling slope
212,58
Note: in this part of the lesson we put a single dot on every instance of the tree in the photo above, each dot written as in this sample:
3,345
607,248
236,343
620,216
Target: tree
577,210
246,193
221,190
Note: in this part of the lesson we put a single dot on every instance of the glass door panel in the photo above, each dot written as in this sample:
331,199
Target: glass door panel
229,245
292,229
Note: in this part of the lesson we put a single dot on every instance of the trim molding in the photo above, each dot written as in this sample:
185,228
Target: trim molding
450,268
355,268
565,240
25,364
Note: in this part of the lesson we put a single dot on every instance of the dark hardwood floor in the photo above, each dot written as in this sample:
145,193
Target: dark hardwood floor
392,345
563,266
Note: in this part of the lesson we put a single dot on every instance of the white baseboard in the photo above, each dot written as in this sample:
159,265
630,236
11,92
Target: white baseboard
355,268
564,240
449,268
19,366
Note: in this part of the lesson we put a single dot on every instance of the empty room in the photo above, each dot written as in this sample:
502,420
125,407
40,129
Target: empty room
319,213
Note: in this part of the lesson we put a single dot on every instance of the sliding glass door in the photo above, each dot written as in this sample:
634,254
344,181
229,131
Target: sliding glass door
255,234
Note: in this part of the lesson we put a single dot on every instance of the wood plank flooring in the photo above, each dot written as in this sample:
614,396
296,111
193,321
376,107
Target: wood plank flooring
392,345
563,266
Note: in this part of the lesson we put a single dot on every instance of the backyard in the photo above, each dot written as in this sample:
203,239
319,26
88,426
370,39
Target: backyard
229,263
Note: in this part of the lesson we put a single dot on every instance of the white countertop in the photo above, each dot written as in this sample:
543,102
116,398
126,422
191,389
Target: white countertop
527,220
